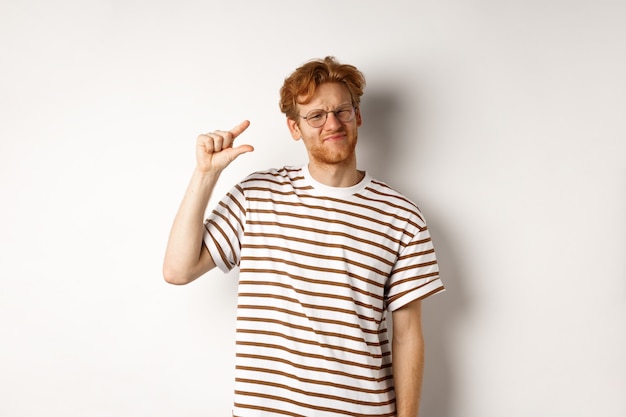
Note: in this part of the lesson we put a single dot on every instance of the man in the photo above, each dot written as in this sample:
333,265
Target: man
323,251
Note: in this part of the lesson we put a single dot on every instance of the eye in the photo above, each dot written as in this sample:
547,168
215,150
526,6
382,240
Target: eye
313,116
344,114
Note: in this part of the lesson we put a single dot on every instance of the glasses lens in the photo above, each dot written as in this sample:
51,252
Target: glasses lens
345,114
316,118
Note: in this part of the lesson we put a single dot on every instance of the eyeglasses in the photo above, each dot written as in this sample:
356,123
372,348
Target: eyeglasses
317,118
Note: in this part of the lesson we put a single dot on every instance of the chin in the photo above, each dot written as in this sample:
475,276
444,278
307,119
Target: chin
338,156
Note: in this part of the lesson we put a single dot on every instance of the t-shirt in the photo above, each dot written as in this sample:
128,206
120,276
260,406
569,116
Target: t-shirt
318,269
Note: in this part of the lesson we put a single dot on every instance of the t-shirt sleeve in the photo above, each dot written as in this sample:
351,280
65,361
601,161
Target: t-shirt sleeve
223,229
415,275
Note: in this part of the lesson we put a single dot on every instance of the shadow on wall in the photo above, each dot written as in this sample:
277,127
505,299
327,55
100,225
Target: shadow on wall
380,144
440,317
375,152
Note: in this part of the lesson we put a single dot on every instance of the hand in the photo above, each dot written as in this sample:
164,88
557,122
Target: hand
215,151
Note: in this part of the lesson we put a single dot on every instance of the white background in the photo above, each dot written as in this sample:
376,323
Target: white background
504,120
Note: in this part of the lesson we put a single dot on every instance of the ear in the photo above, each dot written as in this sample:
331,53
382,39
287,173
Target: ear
359,121
294,129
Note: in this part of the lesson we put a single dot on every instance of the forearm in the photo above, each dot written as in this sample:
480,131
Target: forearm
408,359
408,370
184,247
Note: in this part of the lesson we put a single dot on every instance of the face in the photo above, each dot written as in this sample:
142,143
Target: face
334,142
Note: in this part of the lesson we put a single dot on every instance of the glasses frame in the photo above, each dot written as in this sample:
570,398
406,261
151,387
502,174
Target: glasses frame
334,112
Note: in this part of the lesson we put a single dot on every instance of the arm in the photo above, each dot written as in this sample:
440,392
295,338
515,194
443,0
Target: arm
408,358
185,257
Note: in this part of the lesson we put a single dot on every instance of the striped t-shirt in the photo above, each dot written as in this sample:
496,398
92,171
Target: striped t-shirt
319,266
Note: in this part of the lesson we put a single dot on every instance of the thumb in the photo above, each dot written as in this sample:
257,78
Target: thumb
234,153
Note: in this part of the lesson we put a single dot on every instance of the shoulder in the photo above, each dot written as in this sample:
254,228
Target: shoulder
386,192
393,201
280,174
273,179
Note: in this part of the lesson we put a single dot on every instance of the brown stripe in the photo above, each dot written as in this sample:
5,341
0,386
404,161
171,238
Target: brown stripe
416,278
314,268
306,305
395,297
312,293
398,196
325,220
312,343
267,410
310,318
318,243
416,266
309,406
321,370
314,394
235,201
308,329
414,255
331,210
226,220
315,356
326,383
217,246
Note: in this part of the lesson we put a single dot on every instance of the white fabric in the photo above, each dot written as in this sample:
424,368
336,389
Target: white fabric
319,266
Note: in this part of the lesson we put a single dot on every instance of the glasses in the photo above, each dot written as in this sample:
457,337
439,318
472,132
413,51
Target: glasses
317,118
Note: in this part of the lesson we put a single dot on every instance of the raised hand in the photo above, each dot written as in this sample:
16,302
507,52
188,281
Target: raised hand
215,151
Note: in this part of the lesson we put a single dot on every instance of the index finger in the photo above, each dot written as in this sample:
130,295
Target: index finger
239,129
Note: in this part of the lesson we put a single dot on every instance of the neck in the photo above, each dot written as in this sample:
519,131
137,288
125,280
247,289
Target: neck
336,175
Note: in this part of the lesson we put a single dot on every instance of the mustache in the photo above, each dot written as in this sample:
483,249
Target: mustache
335,132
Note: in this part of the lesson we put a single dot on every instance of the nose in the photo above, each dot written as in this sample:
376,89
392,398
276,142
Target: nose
332,122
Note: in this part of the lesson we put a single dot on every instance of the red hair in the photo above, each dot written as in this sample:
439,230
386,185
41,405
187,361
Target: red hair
300,86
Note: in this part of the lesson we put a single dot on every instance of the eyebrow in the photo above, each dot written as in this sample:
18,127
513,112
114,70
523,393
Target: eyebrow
339,106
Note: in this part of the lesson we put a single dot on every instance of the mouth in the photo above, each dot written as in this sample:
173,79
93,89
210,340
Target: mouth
335,137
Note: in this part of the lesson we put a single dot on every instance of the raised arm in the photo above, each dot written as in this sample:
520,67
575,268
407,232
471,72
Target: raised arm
185,257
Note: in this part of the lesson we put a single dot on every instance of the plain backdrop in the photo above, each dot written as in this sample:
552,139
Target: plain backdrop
504,120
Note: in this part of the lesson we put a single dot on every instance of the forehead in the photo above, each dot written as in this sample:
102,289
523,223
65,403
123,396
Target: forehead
328,96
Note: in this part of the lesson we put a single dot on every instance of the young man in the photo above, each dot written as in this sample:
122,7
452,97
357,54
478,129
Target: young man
324,251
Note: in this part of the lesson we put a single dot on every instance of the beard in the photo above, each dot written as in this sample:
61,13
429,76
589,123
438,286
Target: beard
333,153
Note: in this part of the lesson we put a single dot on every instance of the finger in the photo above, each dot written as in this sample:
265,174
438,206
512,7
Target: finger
228,137
239,150
244,149
206,143
219,142
240,128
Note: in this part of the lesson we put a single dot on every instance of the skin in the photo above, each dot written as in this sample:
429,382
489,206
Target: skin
332,147
332,161
408,358
185,256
